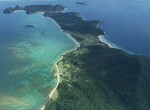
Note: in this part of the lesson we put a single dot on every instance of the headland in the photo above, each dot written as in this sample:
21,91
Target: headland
95,76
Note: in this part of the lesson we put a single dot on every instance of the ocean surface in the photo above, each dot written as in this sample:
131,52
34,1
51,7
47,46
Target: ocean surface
27,56
126,22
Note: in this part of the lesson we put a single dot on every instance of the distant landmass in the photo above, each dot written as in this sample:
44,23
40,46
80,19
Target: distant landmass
95,76
12,9
43,8
29,25
72,21
35,8
81,3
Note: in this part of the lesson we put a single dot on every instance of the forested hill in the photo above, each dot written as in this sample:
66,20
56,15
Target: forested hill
97,77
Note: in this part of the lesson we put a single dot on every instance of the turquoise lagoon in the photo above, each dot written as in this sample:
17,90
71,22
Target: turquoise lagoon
27,56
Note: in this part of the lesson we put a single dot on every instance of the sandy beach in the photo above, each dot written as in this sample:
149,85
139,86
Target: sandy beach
57,71
78,45
111,45
102,39
58,80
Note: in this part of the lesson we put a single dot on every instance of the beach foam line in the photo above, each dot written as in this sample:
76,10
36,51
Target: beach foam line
54,22
111,45
40,13
103,39
20,11
78,45
58,75
58,80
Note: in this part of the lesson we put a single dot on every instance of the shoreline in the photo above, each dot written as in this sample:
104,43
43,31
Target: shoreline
108,45
102,39
99,72
57,74
57,70
111,45
78,45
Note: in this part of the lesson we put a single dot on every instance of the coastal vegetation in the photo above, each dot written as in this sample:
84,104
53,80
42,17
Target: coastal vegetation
72,21
95,76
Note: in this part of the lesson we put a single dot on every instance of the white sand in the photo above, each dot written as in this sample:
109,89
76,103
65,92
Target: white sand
43,108
16,11
58,81
57,73
102,39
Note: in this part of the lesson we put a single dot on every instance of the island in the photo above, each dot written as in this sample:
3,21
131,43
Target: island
81,3
95,76
35,8
30,26
43,8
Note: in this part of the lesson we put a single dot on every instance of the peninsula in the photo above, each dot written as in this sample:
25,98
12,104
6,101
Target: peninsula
95,76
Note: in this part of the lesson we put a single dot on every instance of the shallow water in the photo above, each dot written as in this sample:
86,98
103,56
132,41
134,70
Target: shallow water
27,56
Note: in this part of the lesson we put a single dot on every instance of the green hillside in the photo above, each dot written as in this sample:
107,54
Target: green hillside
96,77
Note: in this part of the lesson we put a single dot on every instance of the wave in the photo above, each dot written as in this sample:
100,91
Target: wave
103,39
